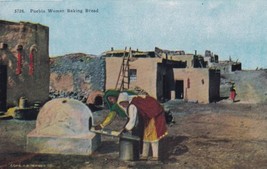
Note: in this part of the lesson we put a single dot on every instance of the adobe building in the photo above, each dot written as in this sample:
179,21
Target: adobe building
210,58
226,67
202,85
229,66
142,63
24,63
191,60
163,77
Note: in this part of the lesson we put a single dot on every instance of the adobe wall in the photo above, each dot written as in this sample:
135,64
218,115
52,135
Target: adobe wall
198,89
227,67
146,73
188,58
31,36
113,65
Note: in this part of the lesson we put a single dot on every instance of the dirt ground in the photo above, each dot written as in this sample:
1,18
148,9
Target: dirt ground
221,135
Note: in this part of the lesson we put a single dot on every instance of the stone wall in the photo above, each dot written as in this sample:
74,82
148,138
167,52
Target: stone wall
25,40
76,75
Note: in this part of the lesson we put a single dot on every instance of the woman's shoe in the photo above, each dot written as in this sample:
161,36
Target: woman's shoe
154,159
143,158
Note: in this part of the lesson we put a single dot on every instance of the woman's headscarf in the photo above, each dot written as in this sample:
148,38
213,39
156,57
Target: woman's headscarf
113,93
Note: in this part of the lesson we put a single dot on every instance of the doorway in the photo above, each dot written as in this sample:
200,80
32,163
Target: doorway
3,87
179,89
166,90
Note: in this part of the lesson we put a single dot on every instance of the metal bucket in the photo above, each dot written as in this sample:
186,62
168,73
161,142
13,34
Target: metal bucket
36,105
129,150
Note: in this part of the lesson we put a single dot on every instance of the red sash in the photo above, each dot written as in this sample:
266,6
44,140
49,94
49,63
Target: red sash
19,64
31,64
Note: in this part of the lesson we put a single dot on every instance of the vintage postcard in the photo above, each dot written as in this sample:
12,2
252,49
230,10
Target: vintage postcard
133,84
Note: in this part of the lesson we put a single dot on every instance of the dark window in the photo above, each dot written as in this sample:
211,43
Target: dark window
132,75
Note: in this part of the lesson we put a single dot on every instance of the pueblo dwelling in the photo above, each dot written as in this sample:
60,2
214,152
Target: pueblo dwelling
24,63
163,74
226,66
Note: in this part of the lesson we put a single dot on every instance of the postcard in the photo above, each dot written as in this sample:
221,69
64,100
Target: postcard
133,84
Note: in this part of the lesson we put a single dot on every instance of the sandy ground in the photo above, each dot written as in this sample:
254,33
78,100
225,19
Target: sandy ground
220,135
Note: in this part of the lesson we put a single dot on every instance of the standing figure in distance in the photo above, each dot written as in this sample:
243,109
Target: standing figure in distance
233,92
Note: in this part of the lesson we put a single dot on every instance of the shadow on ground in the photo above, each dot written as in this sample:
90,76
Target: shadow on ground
172,145
108,147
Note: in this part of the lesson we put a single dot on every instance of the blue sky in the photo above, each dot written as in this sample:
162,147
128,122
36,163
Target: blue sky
236,28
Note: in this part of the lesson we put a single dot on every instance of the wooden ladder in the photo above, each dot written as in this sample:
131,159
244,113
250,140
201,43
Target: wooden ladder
123,80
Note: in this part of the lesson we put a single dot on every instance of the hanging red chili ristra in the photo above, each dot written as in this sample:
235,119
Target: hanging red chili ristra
19,63
31,64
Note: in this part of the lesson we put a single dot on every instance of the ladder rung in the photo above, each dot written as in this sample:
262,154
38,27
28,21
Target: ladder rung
123,78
